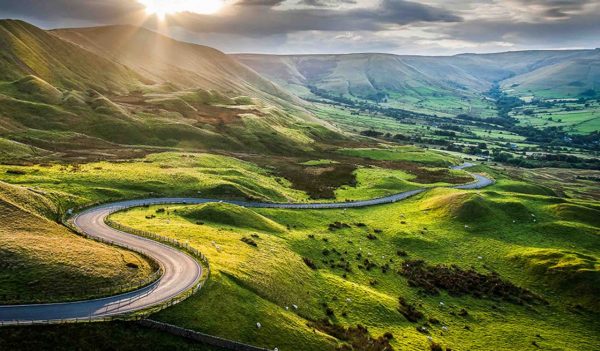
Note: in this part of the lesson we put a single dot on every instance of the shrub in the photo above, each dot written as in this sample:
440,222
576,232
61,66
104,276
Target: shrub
249,241
409,311
309,263
15,172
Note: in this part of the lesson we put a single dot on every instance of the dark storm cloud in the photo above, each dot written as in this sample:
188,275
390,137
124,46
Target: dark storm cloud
260,20
326,3
90,10
566,33
269,3
287,26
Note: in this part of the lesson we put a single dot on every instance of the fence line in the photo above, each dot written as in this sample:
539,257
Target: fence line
200,337
153,279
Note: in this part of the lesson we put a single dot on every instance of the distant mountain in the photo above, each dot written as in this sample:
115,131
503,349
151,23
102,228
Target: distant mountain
570,78
419,77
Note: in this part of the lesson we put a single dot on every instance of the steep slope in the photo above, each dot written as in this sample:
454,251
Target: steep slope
362,75
114,91
571,78
27,50
163,60
41,260
406,81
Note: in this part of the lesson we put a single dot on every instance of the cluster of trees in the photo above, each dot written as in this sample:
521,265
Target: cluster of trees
547,160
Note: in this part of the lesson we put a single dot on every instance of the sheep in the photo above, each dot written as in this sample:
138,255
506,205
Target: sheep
258,325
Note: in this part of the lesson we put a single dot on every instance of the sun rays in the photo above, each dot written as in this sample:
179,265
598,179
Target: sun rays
162,8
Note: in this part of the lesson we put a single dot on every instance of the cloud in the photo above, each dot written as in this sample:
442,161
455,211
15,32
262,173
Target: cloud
264,20
319,26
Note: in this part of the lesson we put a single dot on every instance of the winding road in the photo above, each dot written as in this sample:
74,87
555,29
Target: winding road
181,272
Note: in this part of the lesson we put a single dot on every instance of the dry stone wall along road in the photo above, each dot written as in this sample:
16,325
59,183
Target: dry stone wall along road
181,272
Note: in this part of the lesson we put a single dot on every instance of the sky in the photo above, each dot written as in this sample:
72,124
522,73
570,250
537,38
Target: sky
426,27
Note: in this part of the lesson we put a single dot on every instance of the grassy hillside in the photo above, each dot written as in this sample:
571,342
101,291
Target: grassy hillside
43,261
331,270
122,90
445,85
27,50
163,174
152,56
574,78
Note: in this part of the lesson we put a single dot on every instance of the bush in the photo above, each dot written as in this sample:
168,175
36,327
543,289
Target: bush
409,311
249,241
309,263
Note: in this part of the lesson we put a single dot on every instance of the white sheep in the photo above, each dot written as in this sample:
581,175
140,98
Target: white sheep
258,325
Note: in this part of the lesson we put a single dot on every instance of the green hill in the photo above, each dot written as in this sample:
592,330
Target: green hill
573,78
27,50
43,261
151,55
120,87
434,85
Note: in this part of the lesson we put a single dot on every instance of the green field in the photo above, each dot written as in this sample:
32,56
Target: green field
573,116
404,153
544,244
164,174
380,182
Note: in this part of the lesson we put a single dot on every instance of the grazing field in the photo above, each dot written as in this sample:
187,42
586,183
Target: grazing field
42,261
308,276
404,153
376,182
165,174
574,116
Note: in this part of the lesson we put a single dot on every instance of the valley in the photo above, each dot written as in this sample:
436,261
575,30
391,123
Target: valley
339,201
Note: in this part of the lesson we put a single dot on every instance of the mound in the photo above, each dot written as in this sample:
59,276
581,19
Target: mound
577,213
464,206
524,188
12,150
28,200
227,214
37,89
173,104
102,104
574,272
473,207
41,260
74,99
204,97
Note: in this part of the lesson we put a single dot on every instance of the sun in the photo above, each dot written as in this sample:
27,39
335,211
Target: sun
161,8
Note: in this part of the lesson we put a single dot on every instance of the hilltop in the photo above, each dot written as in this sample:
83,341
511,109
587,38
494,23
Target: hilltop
410,79
120,91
